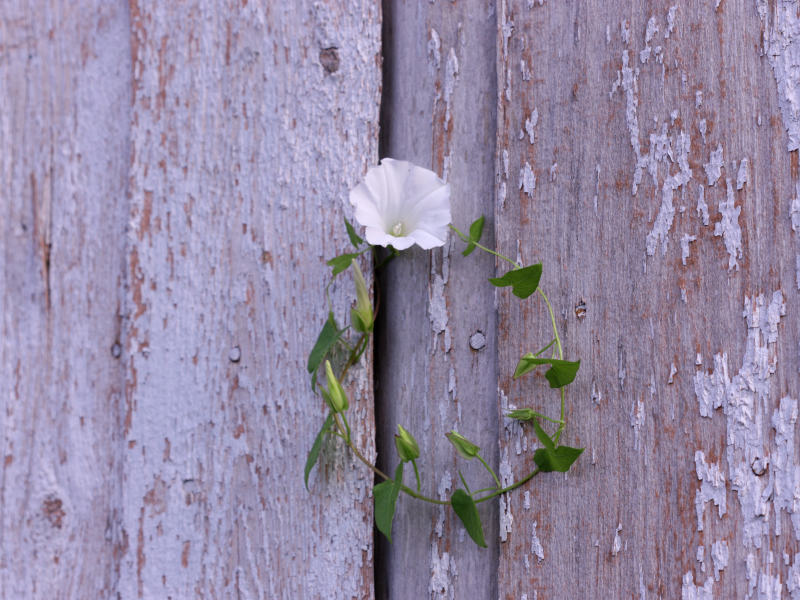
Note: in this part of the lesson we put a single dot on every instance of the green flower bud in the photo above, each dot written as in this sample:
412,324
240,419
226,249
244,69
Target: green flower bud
407,446
335,396
463,446
361,316
521,414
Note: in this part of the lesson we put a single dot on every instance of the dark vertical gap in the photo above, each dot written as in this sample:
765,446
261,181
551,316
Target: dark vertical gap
380,543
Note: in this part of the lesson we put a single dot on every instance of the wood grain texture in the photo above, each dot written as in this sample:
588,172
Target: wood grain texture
645,313
439,113
64,111
244,147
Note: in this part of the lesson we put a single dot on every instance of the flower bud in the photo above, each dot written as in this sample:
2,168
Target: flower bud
361,316
407,446
463,446
335,396
521,414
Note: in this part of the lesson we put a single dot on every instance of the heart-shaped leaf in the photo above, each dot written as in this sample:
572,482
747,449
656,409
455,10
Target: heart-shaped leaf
556,459
464,507
351,233
386,500
314,454
560,373
522,281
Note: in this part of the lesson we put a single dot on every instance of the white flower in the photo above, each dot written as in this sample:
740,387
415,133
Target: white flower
401,204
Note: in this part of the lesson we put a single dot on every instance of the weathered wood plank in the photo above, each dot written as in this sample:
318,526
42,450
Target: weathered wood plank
439,113
246,140
599,114
64,114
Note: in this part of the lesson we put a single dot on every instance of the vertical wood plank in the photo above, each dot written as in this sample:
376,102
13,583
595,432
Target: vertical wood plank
624,522
439,113
64,115
246,140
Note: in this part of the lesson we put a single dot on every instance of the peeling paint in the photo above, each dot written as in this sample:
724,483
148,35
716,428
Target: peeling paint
703,129
652,29
741,176
720,554
530,123
527,180
672,372
689,591
536,544
440,587
702,207
714,166
437,309
712,488
729,228
710,388
794,210
784,59
670,21
450,82
744,404
666,212
698,99
434,52
685,240
616,545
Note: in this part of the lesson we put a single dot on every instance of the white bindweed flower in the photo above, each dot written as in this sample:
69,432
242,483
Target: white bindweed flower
401,204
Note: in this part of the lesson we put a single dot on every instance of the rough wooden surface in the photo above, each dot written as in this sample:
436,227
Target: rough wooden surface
244,146
645,313
173,179
439,113
64,113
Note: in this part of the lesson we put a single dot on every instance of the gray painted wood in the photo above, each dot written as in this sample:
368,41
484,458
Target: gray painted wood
439,113
64,112
245,146
174,177
639,469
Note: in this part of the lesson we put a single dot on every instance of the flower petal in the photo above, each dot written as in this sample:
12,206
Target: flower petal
425,240
367,212
377,237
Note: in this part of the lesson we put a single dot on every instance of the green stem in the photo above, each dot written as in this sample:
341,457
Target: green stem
485,249
488,468
545,348
416,472
541,416
347,425
560,356
509,488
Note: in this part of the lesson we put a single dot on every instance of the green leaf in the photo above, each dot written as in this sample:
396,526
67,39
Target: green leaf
476,229
475,233
523,281
351,233
314,454
386,500
542,435
326,340
560,373
559,459
465,508
340,263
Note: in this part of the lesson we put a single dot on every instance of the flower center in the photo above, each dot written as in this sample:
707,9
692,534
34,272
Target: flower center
397,230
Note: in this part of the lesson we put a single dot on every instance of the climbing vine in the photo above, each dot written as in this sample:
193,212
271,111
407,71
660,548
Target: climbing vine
401,204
